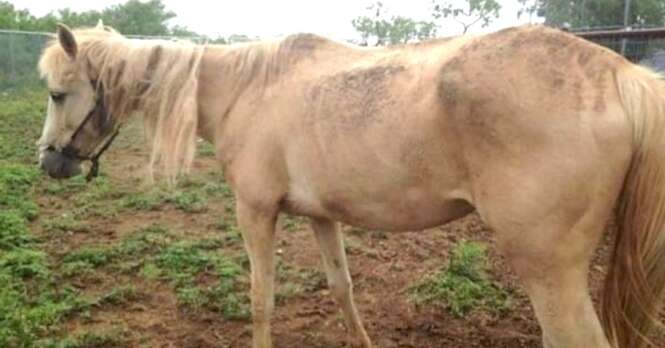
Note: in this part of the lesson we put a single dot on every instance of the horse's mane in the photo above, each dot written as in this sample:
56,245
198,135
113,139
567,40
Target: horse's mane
157,77
160,78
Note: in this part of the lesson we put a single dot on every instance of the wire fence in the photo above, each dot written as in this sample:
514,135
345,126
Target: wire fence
19,54
644,46
20,51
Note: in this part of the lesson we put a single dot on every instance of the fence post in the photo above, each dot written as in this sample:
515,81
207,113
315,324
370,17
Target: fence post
626,19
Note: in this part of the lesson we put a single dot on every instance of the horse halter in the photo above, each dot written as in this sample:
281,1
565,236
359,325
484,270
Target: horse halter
71,152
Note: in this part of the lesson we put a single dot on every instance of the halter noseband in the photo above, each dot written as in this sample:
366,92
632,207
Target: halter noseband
72,152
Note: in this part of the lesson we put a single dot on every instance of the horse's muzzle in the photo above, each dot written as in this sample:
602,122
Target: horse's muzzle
58,165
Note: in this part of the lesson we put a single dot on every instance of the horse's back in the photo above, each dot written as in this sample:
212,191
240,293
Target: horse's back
408,137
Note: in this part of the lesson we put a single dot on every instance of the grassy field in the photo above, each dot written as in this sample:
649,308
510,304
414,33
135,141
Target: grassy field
119,263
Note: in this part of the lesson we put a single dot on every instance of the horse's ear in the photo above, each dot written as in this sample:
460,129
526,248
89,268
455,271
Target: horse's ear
100,24
67,40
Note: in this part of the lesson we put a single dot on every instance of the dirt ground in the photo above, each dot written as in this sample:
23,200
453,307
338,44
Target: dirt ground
383,266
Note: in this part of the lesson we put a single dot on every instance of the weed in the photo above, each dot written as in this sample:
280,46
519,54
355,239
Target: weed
60,187
112,338
24,263
292,223
183,262
146,201
64,223
94,256
119,295
13,230
150,271
77,268
463,285
205,149
16,182
21,113
189,202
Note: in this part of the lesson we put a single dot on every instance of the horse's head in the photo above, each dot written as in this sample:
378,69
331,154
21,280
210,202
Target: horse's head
77,123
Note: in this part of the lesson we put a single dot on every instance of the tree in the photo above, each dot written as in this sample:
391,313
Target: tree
469,14
595,13
139,18
133,17
384,29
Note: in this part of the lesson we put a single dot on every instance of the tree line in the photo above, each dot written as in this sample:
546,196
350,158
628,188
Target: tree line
379,27
376,27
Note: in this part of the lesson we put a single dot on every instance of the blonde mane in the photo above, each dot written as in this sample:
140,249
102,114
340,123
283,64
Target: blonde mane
156,77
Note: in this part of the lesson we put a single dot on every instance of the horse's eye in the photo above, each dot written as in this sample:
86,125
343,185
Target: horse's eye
58,97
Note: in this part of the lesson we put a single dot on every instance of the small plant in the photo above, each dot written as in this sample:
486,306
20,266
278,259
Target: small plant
146,201
64,223
119,295
73,185
104,339
205,149
16,182
292,223
189,202
463,285
13,230
91,255
184,262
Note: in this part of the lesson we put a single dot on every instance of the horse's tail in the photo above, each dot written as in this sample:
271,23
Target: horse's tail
635,284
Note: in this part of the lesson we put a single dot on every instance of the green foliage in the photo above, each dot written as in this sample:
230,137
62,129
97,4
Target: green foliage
205,149
21,113
90,255
182,263
188,201
104,339
132,17
383,29
472,12
595,13
13,230
463,285
146,201
64,224
29,304
24,263
119,295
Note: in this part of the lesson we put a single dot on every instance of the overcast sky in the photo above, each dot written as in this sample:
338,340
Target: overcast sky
266,18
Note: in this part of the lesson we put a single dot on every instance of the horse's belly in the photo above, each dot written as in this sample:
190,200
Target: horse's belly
406,210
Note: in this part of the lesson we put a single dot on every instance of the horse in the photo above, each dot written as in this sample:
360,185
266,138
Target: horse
550,138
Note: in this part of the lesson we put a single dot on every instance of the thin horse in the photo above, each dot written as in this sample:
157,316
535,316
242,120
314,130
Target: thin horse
546,135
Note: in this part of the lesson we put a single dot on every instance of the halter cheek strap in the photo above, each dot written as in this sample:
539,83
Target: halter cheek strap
72,152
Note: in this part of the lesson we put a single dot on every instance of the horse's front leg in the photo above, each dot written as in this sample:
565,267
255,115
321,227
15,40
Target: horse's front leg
331,243
258,231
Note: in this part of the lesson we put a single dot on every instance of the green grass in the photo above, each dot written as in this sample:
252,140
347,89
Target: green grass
22,113
463,285
38,295
115,337
16,182
205,149
64,223
30,304
182,263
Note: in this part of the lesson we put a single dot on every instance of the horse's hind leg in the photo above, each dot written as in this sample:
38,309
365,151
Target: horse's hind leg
550,246
556,283
331,244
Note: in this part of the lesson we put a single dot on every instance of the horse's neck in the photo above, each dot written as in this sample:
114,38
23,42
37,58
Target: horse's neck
223,78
